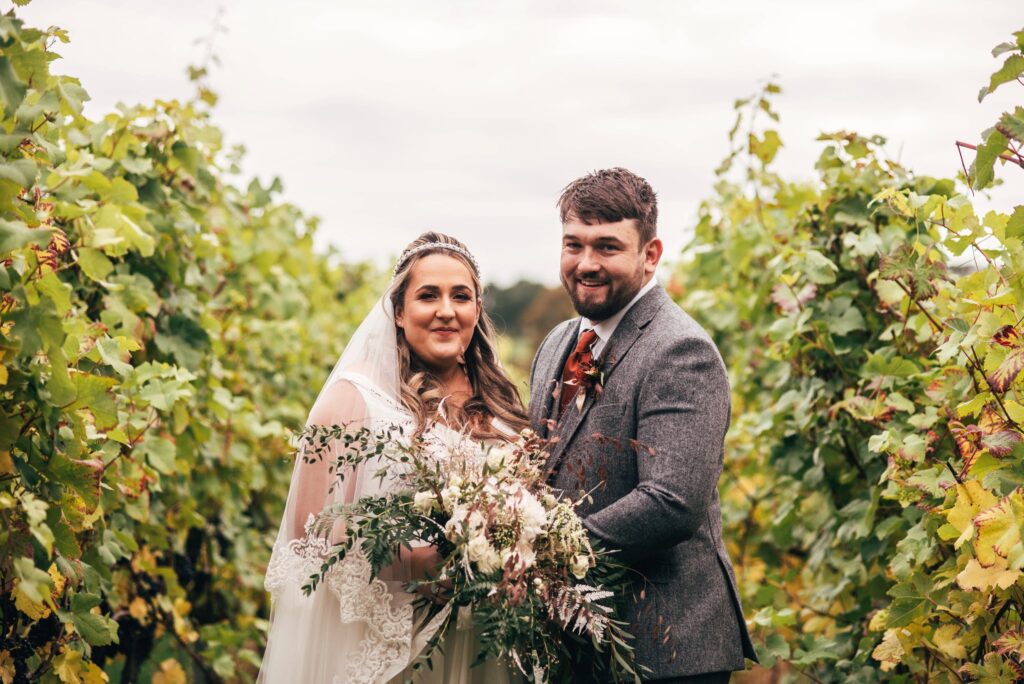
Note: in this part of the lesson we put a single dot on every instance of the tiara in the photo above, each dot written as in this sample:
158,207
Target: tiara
435,245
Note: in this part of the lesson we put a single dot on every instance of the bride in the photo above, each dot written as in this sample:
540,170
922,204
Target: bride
425,359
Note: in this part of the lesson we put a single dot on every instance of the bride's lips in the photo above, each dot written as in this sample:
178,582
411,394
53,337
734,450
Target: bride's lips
444,332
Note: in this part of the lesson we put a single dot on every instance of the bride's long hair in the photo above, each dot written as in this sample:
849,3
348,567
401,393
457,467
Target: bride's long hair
494,395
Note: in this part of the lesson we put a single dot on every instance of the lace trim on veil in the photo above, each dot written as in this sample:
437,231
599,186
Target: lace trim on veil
387,645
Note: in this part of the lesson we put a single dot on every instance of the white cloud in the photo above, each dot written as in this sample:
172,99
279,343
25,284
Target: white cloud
388,118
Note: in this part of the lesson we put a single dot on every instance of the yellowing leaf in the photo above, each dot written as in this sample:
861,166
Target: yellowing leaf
1008,370
7,671
170,673
975,577
138,608
890,652
27,605
58,579
1015,411
71,670
945,638
999,532
971,499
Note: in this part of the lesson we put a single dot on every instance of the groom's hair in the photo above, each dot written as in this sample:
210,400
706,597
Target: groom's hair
612,195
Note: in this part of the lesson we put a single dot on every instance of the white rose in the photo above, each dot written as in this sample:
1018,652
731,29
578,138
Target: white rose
580,565
424,502
498,457
450,495
485,556
491,560
455,481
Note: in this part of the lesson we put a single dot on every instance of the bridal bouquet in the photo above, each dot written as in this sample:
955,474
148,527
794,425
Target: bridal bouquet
514,554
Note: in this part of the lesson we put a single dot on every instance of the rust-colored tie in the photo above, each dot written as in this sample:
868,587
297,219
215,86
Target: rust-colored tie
580,356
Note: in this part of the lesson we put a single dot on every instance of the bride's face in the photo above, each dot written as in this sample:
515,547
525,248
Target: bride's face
439,310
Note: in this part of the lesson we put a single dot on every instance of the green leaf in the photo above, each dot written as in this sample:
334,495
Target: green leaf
894,366
766,147
160,453
83,602
73,94
97,630
12,88
1011,69
59,292
111,353
1012,123
911,601
842,317
1015,226
15,235
92,392
818,268
35,583
122,191
23,172
94,263
982,171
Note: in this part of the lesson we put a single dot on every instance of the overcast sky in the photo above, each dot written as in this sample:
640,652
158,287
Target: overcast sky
389,117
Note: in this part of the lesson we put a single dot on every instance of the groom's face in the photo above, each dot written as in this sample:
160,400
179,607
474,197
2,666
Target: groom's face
604,265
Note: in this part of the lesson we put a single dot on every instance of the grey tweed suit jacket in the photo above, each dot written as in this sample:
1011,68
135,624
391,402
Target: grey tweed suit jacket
651,445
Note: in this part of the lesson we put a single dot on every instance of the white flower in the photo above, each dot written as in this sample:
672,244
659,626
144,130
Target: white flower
483,554
453,528
498,458
450,495
580,565
532,516
527,556
455,481
476,522
424,502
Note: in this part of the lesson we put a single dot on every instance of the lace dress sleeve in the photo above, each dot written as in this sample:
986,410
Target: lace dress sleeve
354,627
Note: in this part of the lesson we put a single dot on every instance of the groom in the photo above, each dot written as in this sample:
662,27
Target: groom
636,395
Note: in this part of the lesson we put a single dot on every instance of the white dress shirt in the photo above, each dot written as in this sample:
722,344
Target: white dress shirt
605,328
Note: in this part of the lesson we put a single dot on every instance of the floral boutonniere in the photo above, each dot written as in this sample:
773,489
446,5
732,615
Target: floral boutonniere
588,376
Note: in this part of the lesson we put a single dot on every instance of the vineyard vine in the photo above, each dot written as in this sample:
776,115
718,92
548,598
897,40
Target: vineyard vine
874,487
162,328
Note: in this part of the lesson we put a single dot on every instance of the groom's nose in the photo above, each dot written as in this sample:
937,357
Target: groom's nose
588,262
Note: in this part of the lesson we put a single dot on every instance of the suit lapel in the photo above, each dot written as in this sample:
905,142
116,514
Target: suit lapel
551,374
625,336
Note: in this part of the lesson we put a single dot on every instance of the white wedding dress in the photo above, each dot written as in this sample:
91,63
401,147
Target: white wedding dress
355,629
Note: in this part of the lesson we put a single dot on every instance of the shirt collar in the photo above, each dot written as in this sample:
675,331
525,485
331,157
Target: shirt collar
605,328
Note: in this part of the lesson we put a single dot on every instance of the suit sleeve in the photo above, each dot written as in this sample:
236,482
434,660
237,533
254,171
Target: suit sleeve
682,415
536,357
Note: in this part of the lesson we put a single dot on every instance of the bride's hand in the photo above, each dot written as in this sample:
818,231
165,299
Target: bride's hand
424,564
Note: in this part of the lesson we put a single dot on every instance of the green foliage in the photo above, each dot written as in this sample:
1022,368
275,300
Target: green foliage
1004,140
160,327
872,491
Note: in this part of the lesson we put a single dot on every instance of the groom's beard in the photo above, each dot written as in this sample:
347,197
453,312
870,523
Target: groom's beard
603,304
